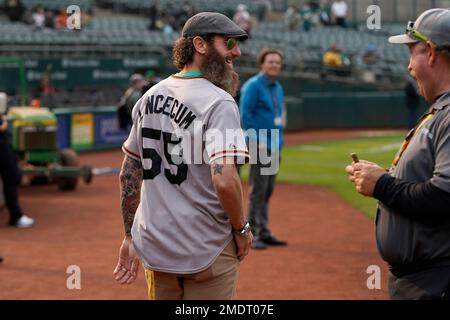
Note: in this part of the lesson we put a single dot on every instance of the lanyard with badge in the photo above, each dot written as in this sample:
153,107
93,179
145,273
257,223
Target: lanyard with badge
422,121
278,119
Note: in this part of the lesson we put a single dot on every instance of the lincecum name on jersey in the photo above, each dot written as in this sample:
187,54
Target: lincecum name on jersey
170,107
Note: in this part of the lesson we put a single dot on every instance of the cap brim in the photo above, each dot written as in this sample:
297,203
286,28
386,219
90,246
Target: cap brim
242,37
238,35
402,39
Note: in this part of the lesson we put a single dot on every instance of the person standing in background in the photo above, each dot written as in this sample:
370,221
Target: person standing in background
261,104
9,173
129,99
243,19
339,10
14,9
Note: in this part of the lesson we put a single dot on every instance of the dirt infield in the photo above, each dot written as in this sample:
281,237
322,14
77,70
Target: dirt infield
330,245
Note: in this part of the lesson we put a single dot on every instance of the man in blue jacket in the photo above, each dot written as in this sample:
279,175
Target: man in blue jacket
261,105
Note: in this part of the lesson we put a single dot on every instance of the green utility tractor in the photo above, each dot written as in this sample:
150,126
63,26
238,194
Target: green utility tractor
34,141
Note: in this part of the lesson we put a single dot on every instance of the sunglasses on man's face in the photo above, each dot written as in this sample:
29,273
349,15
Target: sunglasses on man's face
231,43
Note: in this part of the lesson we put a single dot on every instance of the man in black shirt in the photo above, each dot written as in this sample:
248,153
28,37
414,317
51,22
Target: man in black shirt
413,216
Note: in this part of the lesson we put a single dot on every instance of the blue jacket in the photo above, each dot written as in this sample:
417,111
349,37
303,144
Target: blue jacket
261,103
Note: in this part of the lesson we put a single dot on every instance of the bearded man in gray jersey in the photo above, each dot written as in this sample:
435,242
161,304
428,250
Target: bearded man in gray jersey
184,219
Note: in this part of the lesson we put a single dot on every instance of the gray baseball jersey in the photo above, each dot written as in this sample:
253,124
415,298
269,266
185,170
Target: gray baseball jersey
180,226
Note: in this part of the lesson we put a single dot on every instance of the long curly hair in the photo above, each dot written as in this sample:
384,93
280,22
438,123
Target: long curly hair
183,51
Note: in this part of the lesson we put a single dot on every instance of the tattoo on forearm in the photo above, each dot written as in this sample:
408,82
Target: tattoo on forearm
130,190
217,168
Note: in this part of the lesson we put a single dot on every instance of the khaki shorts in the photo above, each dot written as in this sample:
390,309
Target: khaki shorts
218,282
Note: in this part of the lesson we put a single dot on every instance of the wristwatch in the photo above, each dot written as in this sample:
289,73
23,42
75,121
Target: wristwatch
244,230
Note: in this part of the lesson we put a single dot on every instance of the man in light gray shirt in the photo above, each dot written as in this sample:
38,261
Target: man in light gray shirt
181,194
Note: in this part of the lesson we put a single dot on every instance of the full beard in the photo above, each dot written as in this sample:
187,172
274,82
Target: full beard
216,70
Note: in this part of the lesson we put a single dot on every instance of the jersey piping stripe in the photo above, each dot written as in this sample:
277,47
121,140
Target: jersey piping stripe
230,151
134,155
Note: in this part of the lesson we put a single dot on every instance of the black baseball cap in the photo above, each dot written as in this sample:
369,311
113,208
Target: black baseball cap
207,23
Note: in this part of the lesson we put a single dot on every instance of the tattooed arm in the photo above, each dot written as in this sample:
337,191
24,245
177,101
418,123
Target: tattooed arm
229,190
130,191
227,184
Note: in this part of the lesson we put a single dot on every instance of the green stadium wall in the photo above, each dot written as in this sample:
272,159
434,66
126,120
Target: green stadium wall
348,110
68,73
322,104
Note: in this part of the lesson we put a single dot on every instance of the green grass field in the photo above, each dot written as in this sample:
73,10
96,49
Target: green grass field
324,164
